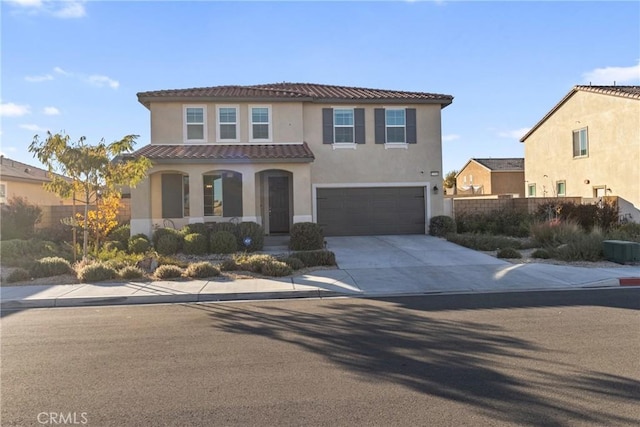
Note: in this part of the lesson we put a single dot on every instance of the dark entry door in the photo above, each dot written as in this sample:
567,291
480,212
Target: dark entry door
278,204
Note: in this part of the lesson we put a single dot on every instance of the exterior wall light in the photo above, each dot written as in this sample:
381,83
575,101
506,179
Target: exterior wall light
435,189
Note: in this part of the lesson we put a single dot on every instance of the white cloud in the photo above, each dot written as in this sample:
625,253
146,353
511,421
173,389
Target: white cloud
611,75
515,133
38,79
64,9
51,111
33,128
101,81
9,109
450,137
61,71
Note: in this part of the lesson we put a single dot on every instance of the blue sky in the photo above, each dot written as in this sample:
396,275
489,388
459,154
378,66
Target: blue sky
76,66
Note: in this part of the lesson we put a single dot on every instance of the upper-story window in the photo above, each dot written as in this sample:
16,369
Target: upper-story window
343,125
580,143
195,124
260,126
395,123
227,123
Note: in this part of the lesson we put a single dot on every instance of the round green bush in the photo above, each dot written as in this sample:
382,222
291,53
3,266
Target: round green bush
541,254
138,245
306,236
97,272
275,268
202,270
121,234
50,266
168,271
195,244
252,233
294,263
223,242
18,275
224,226
198,227
315,258
168,244
509,253
441,225
161,232
111,245
131,272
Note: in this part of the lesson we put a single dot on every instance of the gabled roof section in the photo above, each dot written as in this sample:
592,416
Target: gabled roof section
13,170
310,92
515,164
230,153
620,91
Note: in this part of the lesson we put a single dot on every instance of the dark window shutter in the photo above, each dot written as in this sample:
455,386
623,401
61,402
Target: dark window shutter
411,126
380,126
171,195
358,115
327,125
232,195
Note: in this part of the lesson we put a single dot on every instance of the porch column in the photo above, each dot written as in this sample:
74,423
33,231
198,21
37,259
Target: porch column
249,209
141,208
196,202
302,196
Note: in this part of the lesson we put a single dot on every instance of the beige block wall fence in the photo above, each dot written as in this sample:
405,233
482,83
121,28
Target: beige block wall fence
51,215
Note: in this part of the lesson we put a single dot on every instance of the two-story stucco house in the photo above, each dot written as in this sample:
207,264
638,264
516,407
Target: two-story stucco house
19,179
356,161
491,176
588,145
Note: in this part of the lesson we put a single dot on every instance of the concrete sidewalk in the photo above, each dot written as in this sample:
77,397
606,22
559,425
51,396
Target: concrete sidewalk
367,267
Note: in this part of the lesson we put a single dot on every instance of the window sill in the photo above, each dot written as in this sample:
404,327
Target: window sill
195,141
344,145
581,157
391,145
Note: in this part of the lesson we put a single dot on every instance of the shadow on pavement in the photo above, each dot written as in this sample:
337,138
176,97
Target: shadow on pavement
480,365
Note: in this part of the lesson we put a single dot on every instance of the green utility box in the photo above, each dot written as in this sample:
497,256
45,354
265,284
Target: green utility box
621,251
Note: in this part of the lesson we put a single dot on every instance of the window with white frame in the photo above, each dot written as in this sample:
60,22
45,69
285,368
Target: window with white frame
260,126
3,192
195,125
531,190
395,124
580,143
561,188
228,123
343,128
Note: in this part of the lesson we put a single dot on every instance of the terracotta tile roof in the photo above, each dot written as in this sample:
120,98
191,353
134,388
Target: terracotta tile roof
236,153
509,164
621,91
299,91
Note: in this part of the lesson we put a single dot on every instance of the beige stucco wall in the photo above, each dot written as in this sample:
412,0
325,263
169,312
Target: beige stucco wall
474,174
507,183
167,121
613,161
34,193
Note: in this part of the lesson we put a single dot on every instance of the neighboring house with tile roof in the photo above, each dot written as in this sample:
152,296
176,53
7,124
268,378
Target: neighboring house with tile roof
499,176
588,145
26,181
357,161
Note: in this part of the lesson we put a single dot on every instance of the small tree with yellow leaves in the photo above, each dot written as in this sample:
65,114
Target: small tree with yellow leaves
101,220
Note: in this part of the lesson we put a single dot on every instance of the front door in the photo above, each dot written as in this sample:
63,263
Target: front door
278,204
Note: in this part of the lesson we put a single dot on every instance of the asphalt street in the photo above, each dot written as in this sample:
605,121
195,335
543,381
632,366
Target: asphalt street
530,358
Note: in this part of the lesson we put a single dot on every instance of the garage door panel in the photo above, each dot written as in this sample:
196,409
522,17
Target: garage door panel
371,211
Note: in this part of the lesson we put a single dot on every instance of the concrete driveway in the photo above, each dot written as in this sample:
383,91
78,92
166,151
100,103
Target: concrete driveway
416,264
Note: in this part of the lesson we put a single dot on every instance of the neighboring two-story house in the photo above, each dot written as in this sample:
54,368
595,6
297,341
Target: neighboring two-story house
491,177
588,145
356,161
19,179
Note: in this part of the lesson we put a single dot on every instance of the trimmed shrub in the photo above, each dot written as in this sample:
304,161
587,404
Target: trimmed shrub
97,272
168,244
139,245
315,258
541,254
113,245
223,242
509,253
18,219
601,215
160,232
195,244
582,247
505,222
169,260
252,231
229,264
441,225
555,232
198,227
168,272
57,233
131,272
294,263
224,226
275,268
484,242
50,266
18,275
252,263
306,236
122,234
202,270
